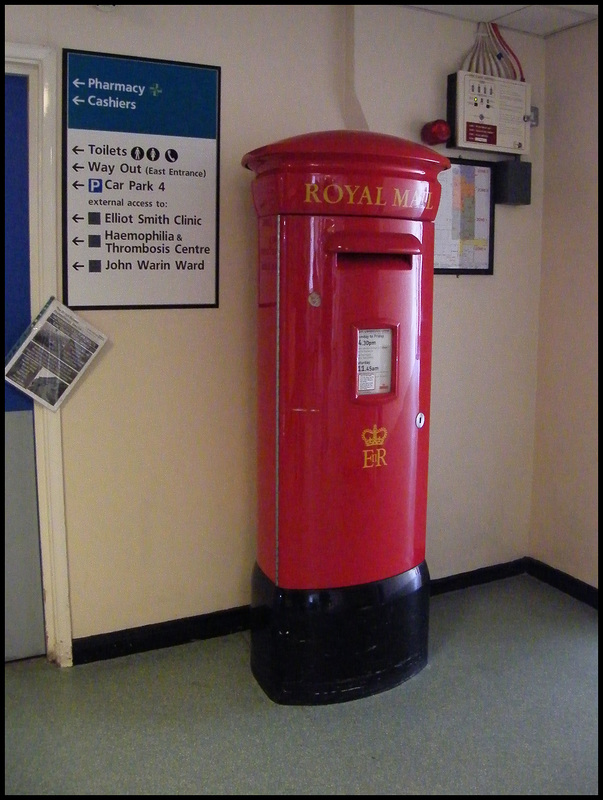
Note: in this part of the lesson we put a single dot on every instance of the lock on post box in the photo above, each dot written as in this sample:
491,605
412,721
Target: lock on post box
340,586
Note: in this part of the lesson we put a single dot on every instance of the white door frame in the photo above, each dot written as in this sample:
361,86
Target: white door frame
40,66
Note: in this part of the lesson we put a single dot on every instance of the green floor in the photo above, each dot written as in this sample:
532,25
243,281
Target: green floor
508,704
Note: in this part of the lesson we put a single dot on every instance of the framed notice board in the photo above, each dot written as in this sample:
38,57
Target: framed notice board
464,225
141,148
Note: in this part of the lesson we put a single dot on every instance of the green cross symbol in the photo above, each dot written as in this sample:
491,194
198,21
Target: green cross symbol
155,90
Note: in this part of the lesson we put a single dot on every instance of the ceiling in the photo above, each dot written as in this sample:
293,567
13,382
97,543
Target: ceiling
538,20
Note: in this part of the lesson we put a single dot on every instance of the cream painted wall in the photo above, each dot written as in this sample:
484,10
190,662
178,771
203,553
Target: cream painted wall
485,327
159,444
159,438
565,526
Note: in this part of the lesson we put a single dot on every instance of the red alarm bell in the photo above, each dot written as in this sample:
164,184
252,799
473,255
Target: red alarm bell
436,132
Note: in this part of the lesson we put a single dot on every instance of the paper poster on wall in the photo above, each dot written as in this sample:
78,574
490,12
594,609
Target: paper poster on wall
52,354
141,154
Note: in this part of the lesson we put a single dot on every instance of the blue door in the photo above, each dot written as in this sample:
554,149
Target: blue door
24,634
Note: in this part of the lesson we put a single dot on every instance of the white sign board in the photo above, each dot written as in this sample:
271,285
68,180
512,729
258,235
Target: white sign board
140,188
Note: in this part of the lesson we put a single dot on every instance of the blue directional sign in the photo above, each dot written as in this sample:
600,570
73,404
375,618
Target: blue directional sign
140,183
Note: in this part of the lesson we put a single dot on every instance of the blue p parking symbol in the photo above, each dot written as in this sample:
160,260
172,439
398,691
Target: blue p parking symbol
95,185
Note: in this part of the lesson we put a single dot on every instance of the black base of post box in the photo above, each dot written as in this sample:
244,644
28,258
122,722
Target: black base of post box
313,647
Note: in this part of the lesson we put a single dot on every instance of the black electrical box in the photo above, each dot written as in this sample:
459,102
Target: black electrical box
513,182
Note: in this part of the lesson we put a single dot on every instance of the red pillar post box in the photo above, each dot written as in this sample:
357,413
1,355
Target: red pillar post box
340,587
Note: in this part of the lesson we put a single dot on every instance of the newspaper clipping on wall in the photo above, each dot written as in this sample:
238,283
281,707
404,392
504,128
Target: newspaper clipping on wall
52,354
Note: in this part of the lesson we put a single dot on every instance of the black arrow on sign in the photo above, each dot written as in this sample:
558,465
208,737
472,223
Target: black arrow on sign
78,185
77,241
78,149
78,166
77,265
77,218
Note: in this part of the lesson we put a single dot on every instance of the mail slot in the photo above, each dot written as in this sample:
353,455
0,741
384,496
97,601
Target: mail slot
340,586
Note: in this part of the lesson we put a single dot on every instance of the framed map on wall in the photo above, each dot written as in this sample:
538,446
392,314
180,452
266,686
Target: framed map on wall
464,225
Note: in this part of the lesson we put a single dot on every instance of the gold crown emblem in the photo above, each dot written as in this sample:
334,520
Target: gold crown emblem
374,436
